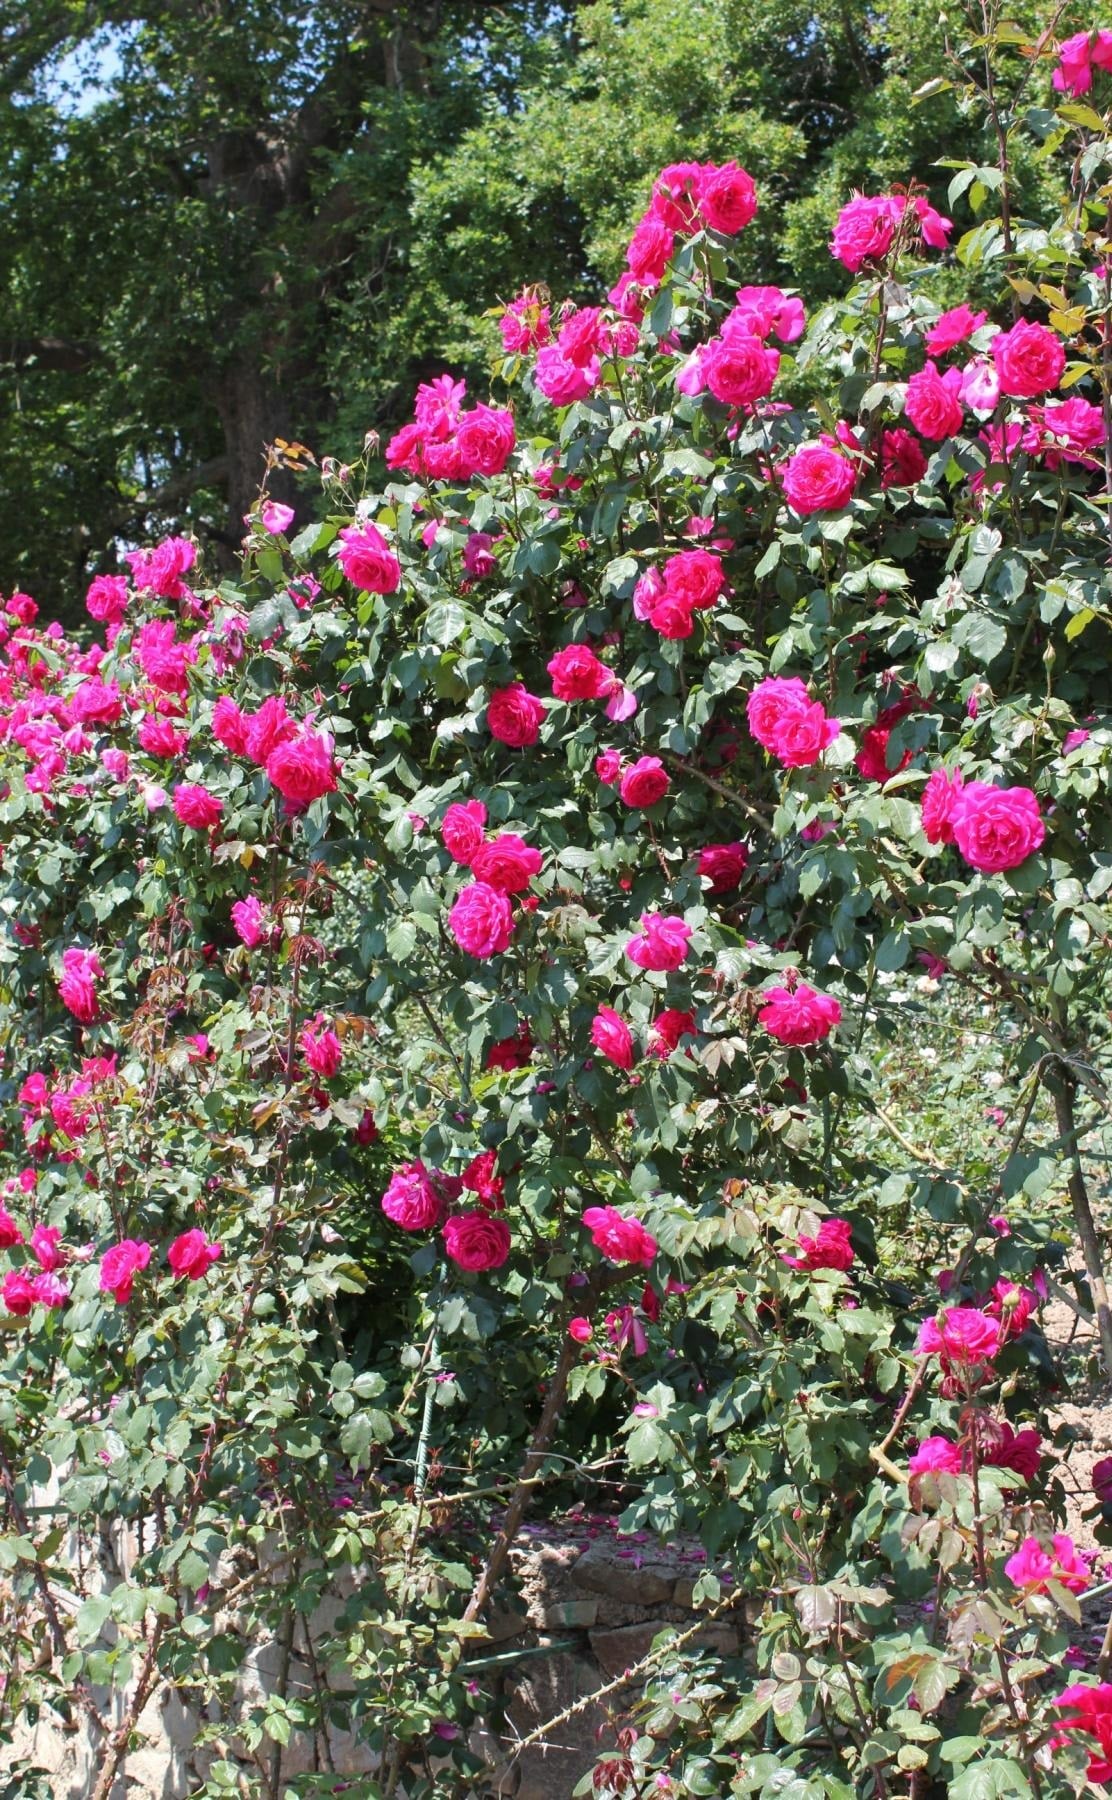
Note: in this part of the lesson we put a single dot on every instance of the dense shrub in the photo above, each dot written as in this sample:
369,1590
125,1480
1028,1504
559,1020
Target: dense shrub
448,967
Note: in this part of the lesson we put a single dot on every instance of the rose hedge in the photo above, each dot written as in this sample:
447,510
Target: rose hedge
452,960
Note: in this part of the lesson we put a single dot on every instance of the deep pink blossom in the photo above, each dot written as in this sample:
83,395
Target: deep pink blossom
302,767
611,1035
620,1239
196,807
119,1267
413,1199
799,1015
367,560
644,783
477,1240
81,970
831,1249
515,716
321,1048
193,1255
481,920
663,942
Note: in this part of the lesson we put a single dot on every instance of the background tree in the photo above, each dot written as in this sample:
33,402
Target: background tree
235,220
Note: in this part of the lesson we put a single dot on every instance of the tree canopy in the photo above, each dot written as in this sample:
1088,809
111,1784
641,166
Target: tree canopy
237,220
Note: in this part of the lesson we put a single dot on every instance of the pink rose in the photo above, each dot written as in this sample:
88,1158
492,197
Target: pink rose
249,922
727,198
1069,431
163,658
301,767
193,1255
961,1335
672,617
996,828
761,310
80,970
481,921
159,571
1030,1568
321,1048
864,230
871,760
644,782
476,1240
675,197
18,1292
650,250
799,1015
578,674
96,702
514,716
10,1233
935,1456
952,328
561,381
662,944
478,559
506,862
1089,1710
738,370
933,402
45,1245
667,1029
723,865
462,830
608,767
940,796
620,1239
196,807
229,727
525,324
611,1035
817,478
412,1198
695,578
159,736
484,440
367,560
783,718
831,1249
119,1267
980,389
1078,56
49,1289
581,1330
275,518
584,335
106,598
1029,360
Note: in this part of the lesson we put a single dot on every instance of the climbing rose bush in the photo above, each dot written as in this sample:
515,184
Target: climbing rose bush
440,967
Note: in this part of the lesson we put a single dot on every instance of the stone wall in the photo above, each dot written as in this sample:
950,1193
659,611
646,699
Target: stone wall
582,1606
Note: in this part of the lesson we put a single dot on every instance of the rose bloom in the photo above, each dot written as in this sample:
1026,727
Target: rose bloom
159,571
1029,360
695,578
476,1240
831,1249
481,920
583,335
620,1239
1013,1306
663,943
1031,1568
581,1330
802,734
871,760
727,198
249,922
933,402
561,381
738,370
484,439
301,767
902,462
952,328
49,1289
163,659
192,1255
650,250
961,1334
514,716
510,1053
996,828
578,674
1089,1710
608,767
275,518
18,1292
611,1035
935,1456
9,1231
462,829
119,1267
1077,58
761,310
367,560
96,702
106,598
229,727
507,863
644,782
45,1245
723,865
196,807
412,1199
321,1048
817,478
672,617
798,1015
864,230
675,197
159,737
525,324
667,1029
80,970
940,796
478,558
1070,431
